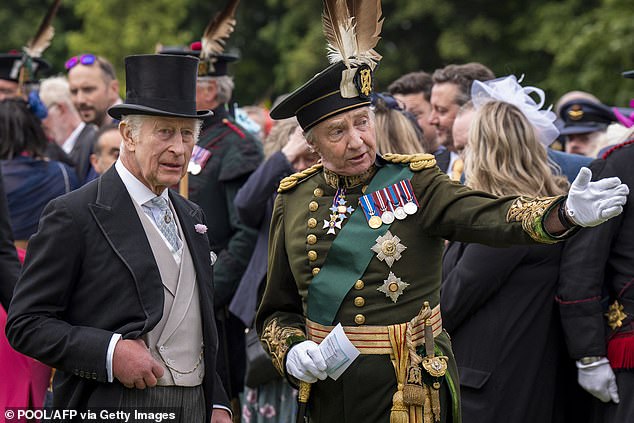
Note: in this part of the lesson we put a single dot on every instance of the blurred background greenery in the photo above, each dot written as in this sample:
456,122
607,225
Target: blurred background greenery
560,45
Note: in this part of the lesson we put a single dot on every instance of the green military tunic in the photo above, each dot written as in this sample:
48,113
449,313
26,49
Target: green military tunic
299,245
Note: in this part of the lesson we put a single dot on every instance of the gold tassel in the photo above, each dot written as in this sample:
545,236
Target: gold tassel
399,412
427,413
413,390
435,401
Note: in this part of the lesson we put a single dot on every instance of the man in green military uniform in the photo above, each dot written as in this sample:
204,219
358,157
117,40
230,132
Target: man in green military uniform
357,240
221,162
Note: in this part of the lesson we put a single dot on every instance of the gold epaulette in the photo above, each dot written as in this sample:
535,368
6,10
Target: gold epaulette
290,181
416,162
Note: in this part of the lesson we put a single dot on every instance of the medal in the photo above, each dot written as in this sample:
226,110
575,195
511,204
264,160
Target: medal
387,216
193,168
388,248
393,287
367,204
396,201
411,204
198,160
375,222
339,210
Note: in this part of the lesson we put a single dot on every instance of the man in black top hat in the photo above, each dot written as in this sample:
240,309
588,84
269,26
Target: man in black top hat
224,157
585,121
117,289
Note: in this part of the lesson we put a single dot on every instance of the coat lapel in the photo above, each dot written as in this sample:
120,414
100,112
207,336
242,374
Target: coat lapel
118,220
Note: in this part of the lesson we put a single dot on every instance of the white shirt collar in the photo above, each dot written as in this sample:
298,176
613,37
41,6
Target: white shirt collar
137,190
72,138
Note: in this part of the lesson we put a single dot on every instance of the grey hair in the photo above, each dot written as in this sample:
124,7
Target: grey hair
225,86
135,122
55,90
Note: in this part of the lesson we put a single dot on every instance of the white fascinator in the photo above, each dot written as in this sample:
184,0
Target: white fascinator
508,90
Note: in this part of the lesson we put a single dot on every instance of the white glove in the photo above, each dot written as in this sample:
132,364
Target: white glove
592,203
598,379
305,362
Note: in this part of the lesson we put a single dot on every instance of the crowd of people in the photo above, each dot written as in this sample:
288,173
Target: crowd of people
168,248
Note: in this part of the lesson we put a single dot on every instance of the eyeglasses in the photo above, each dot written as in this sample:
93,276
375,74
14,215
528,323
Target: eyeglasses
84,59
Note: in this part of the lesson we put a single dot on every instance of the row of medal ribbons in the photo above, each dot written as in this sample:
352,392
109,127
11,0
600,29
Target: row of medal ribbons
396,201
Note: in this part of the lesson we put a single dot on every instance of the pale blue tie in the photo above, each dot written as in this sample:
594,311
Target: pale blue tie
164,219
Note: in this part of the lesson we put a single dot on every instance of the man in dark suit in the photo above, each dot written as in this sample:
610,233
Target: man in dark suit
64,125
117,289
9,265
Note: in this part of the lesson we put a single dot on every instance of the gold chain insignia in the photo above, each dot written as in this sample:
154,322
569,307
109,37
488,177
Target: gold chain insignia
615,315
275,337
529,212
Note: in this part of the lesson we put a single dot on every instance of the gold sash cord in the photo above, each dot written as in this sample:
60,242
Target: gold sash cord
395,341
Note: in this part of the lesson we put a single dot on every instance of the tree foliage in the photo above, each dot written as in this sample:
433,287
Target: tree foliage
559,45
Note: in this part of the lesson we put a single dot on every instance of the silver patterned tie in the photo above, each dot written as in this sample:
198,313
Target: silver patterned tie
164,219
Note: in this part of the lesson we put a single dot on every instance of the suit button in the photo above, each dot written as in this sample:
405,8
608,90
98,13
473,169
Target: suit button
311,239
313,206
312,255
359,319
359,301
316,271
162,348
312,223
359,284
318,192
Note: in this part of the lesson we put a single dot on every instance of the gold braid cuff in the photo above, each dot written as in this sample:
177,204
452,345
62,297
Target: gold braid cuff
278,340
290,181
530,212
416,162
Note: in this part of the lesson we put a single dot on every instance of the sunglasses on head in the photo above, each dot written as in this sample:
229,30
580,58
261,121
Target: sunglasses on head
84,59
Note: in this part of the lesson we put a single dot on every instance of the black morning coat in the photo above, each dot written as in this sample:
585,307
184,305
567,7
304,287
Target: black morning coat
90,272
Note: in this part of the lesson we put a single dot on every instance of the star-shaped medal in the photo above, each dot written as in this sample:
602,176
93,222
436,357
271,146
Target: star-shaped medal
389,248
333,223
393,287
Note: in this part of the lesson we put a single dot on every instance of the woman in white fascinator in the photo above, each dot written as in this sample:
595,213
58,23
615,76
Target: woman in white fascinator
498,303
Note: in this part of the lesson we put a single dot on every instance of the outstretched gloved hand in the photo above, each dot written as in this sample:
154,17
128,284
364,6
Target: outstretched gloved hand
592,203
598,379
305,362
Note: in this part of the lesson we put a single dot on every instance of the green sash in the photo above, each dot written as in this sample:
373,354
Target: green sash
349,254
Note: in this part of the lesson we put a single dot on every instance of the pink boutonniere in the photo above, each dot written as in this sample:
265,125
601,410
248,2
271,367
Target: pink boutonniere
200,228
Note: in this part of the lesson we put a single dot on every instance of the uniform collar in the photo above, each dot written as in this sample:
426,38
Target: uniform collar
339,181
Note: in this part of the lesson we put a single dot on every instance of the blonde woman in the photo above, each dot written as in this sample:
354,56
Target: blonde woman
395,131
498,303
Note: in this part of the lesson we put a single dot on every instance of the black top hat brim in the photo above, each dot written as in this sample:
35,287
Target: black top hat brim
629,74
119,110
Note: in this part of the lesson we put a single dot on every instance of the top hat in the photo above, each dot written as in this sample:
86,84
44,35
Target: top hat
334,90
583,116
215,65
10,64
160,85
